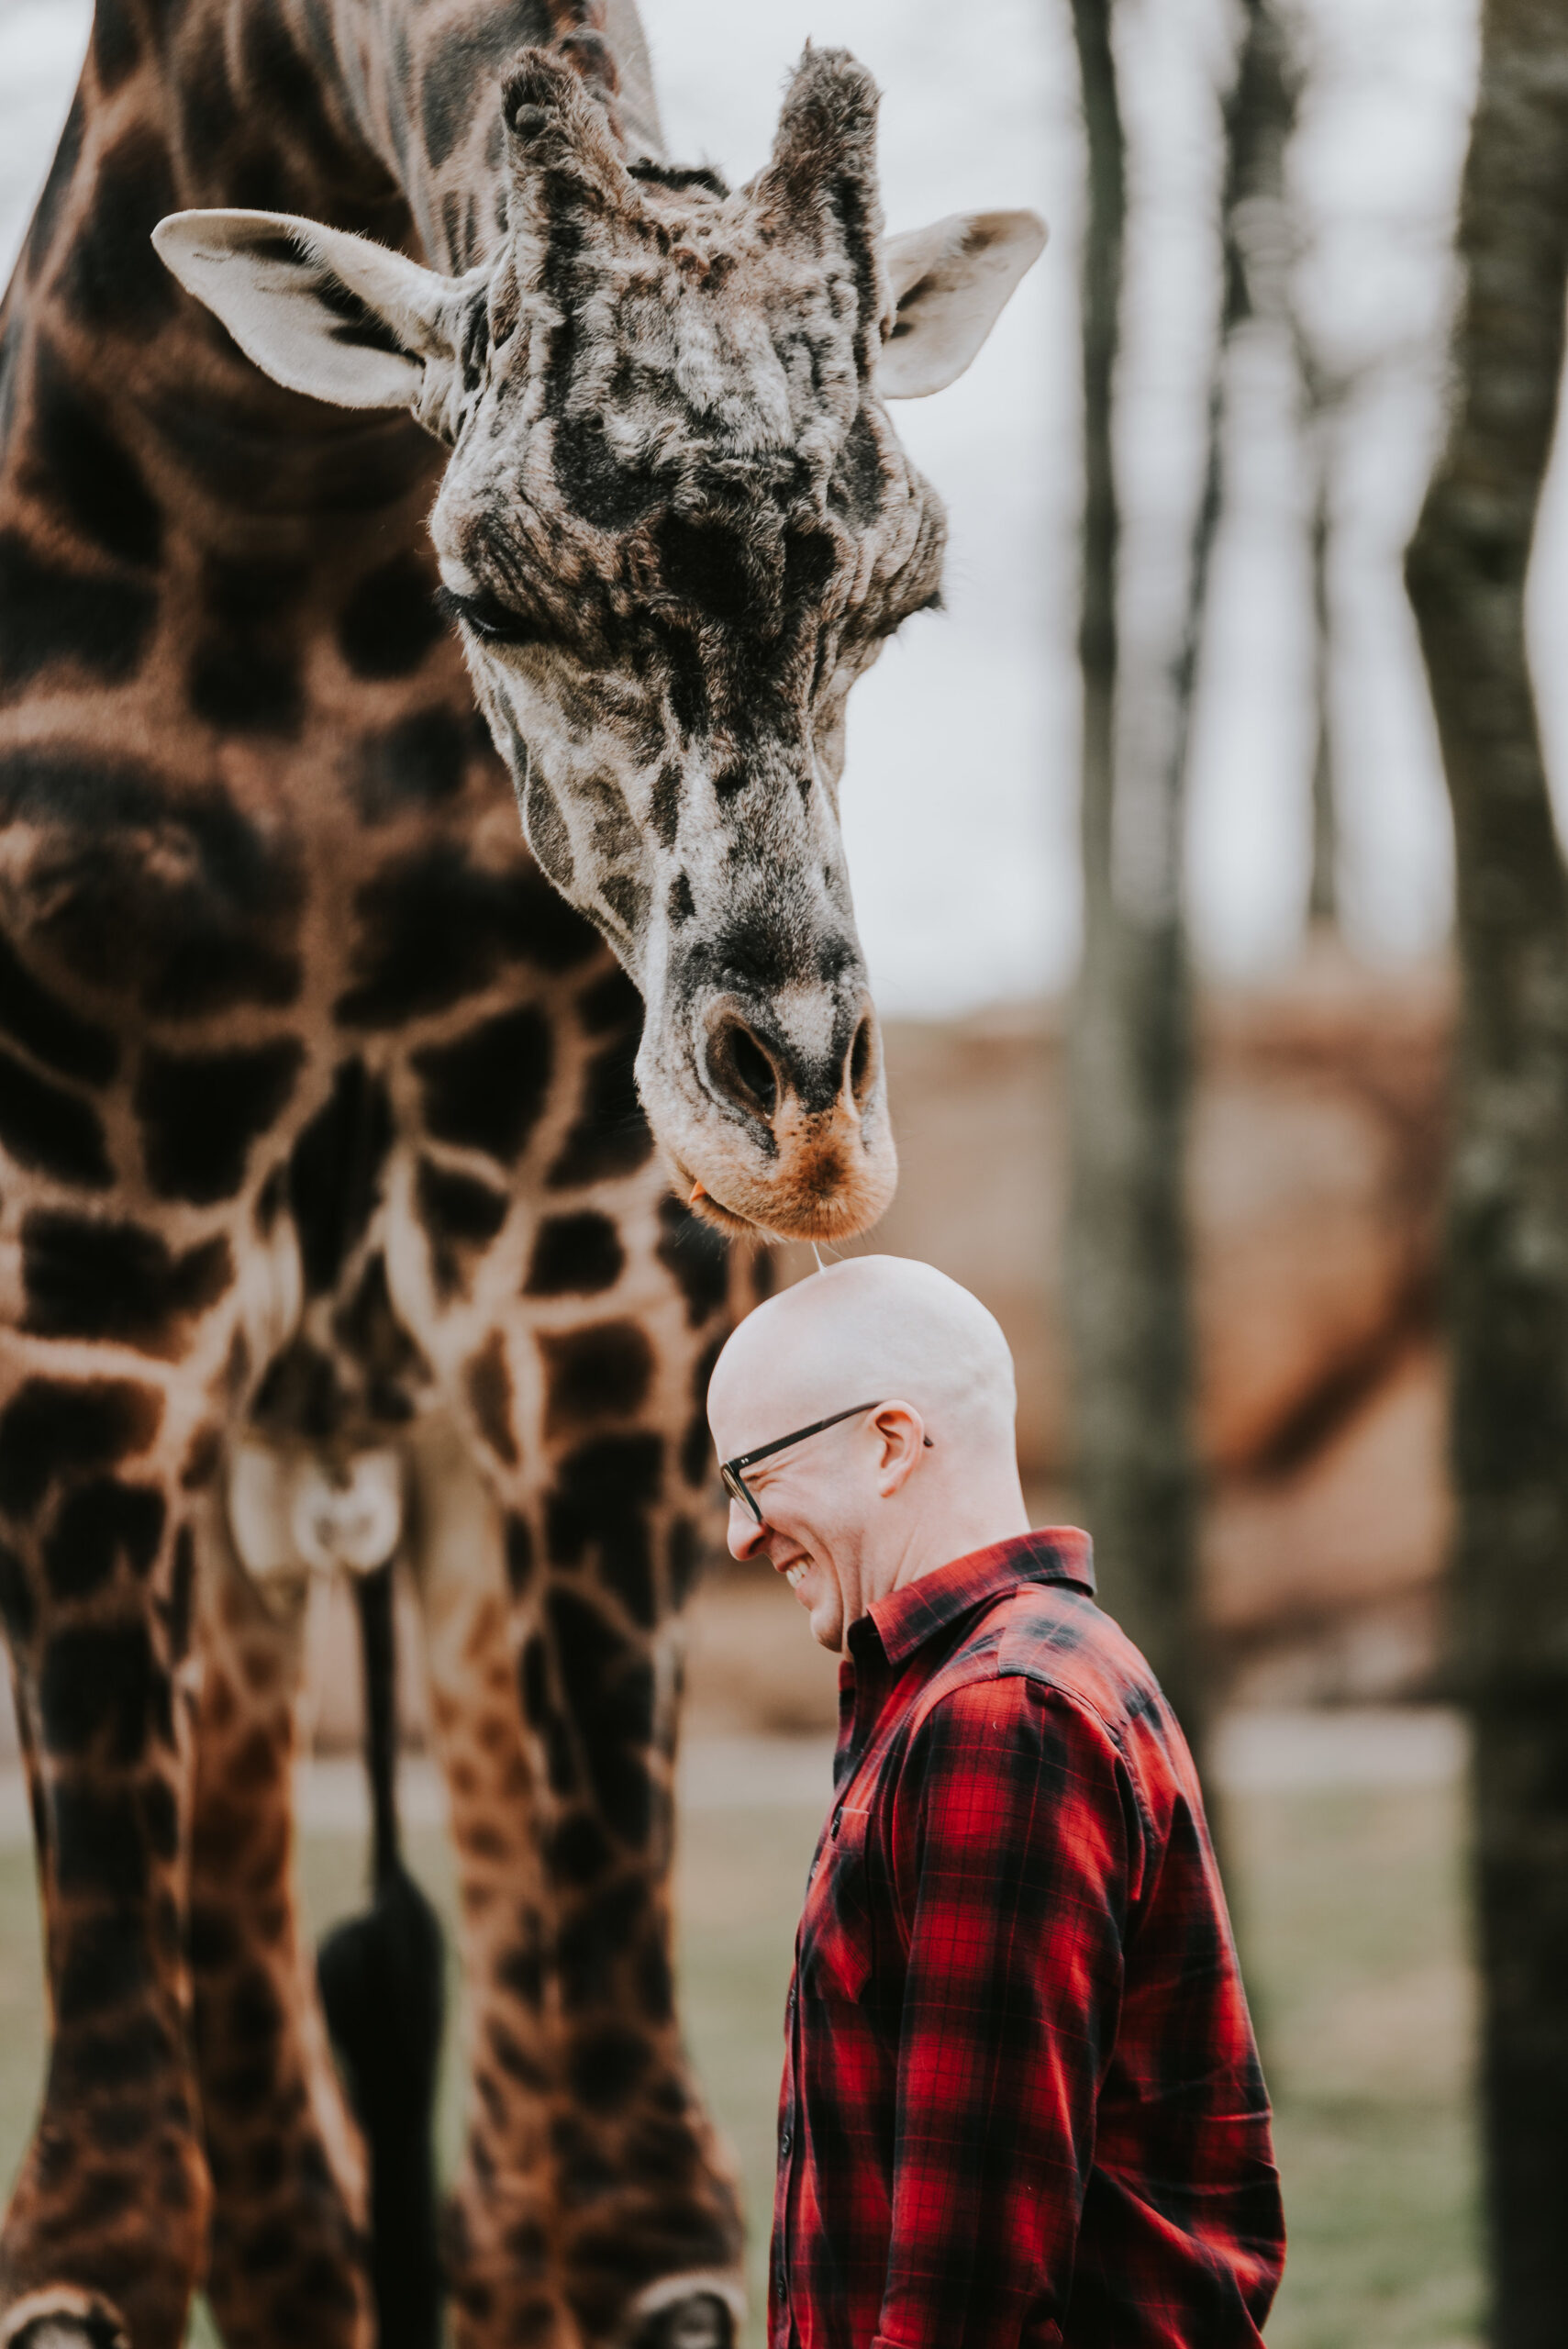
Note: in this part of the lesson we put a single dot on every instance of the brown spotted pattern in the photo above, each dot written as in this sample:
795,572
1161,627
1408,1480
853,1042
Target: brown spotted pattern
321,1128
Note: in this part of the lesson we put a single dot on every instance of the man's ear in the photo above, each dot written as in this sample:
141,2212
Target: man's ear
904,1443
318,310
951,284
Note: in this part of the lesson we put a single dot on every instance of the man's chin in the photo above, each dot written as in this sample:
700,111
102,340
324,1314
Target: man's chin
828,1628
824,1614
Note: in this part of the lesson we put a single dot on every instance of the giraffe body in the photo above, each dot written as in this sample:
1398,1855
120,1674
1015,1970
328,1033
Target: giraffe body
336,1119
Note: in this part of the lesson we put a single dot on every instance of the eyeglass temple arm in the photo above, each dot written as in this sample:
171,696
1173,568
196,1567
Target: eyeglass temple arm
782,1442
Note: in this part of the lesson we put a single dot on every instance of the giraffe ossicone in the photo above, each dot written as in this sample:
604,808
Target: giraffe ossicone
676,525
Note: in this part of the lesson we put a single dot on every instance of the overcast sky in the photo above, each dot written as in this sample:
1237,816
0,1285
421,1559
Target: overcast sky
960,796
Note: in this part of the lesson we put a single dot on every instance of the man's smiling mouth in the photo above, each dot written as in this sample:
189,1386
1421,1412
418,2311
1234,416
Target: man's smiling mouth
795,1575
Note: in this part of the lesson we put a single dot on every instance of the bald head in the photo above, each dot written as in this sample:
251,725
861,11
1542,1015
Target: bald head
854,1512
876,1327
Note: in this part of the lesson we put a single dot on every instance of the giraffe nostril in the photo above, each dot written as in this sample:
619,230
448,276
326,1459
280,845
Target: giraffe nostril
742,1071
863,1057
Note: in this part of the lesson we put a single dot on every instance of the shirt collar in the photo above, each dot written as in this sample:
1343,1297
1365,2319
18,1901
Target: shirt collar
908,1618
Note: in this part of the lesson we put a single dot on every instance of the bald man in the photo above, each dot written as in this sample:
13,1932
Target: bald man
1021,2100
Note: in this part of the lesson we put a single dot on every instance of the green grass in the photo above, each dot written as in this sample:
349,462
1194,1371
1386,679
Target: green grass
740,1880
1353,1927
1352,1920
21,2006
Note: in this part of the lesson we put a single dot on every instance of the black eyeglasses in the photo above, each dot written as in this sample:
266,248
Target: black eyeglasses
729,1470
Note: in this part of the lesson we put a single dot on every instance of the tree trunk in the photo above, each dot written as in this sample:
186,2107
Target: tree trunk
1263,246
1127,1272
1323,892
1509,1205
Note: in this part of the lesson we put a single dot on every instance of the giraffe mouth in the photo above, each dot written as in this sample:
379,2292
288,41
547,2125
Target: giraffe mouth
828,1181
708,1210
703,1204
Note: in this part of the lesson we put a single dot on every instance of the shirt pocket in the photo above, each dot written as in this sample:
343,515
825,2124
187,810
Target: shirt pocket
837,1942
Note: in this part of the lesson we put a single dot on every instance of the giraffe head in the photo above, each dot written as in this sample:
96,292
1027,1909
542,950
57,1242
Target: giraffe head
676,525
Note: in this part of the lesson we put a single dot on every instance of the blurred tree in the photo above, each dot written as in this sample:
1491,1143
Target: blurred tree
1508,1200
1263,244
1323,889
1128,1275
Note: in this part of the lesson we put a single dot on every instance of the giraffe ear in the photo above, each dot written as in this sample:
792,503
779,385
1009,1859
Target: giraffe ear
318,310
951,284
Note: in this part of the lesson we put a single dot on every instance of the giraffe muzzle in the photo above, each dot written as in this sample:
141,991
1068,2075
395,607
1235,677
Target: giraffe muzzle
796,1142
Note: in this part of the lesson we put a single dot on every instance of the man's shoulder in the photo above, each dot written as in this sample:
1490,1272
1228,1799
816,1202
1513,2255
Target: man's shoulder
1053,1637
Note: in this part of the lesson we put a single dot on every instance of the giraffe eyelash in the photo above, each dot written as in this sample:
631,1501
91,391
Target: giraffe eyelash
490,619
934,602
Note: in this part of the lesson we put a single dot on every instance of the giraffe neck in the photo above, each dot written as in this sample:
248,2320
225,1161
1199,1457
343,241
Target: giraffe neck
377,116
374,115
421,86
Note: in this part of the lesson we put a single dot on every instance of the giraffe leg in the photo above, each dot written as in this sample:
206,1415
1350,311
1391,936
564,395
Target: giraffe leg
502,2267
649,2215
647,2205
596,2201
287,2260
104,2237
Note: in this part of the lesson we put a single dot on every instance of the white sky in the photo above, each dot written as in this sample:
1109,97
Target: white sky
960,799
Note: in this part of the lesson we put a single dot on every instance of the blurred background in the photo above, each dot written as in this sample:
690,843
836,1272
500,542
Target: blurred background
1316,859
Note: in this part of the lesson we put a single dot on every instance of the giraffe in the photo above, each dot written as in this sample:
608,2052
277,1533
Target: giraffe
380,1173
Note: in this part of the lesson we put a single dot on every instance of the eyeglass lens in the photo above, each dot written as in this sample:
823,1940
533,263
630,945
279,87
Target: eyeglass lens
735,1486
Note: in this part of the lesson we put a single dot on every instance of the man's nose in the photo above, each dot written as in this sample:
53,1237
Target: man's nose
745,1536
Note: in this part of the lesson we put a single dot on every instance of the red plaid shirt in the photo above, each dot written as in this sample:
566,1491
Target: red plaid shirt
1021,2100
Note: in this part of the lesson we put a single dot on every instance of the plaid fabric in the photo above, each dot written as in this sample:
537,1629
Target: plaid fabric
1021,2100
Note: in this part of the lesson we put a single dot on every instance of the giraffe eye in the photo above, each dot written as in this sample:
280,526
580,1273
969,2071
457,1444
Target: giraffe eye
488,617
888,622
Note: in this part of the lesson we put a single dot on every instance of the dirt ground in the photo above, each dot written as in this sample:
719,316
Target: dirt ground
1344,1832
